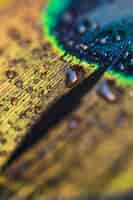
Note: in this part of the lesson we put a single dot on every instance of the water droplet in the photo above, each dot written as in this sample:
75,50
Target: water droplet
131,93
95,26
74,122
122,67
81,29
126,54
74,75
19,84
11,74
105,91
29,90
103,40
118,38
22,115
84,47
2,140
14,101
18,139
131,62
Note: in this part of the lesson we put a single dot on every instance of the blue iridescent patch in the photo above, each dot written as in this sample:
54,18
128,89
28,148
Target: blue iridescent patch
95,31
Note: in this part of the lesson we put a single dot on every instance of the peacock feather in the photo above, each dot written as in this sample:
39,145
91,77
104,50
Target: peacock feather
66,99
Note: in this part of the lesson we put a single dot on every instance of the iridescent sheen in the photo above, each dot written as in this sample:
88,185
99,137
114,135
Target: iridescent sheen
93,32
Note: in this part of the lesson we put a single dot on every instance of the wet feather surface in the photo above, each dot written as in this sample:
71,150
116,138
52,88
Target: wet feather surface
90,150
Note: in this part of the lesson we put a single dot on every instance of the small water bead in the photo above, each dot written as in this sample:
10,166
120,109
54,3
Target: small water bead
14,101
105,91
96,26
126,55
109,91
103,40
3,140
84,47
23,115
29,89
11,74
122,67
131,62
74,75
118,38
74,122
19,83
82,29
71,78
18,139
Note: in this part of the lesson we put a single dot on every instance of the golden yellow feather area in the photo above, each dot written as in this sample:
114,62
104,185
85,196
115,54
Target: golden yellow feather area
91,151
4,3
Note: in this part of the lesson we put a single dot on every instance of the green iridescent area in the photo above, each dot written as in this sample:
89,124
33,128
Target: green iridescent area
50,17
53,11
